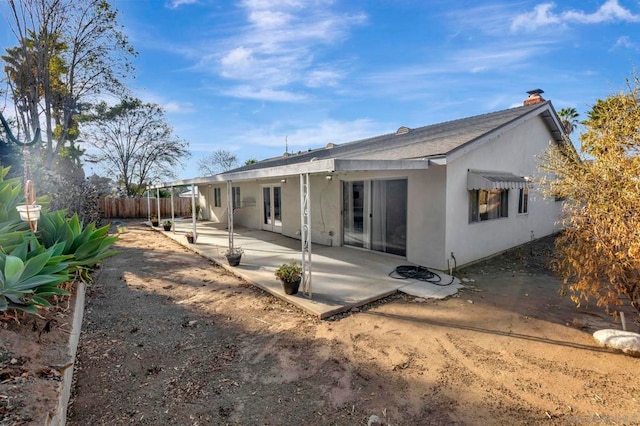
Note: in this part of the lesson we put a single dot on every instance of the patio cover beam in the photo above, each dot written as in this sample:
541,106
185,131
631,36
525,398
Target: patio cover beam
230,213
158,204
149,205
305,232
173,213
332,165
193,212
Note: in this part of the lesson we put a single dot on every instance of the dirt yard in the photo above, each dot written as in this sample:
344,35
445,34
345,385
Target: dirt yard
169,338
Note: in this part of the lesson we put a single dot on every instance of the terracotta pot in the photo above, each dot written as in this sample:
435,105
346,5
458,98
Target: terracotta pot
291,287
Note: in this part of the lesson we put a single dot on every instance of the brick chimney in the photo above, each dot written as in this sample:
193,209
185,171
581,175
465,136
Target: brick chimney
534,97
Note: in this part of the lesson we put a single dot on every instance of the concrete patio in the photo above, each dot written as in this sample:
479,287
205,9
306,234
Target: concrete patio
343,277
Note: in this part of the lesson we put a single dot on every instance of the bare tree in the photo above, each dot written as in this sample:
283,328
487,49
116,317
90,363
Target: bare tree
218,161
134,142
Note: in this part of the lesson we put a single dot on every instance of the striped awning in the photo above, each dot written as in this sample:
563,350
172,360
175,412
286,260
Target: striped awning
478,179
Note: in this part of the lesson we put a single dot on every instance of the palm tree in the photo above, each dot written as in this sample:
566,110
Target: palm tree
569,119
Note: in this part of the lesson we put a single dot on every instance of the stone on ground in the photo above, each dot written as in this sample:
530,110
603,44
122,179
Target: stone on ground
626,341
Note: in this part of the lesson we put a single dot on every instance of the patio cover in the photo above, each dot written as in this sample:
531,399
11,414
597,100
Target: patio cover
488,180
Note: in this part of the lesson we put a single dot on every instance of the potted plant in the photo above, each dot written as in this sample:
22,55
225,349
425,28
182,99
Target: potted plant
290,274
167,225
154,220
233,255
191,237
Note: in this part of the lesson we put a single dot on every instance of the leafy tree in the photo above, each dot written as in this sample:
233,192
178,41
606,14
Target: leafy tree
218,161
569,119
133,140
250,161
68,51
599,251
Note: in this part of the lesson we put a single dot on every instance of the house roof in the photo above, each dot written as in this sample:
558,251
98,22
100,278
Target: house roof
435,140
415,148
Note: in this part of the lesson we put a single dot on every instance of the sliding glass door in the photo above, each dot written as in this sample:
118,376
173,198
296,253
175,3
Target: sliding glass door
375,215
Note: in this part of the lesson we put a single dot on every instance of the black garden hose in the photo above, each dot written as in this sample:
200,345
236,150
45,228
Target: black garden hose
420,273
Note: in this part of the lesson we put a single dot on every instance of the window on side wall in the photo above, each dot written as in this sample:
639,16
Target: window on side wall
235,197
487,205
523,201
217,197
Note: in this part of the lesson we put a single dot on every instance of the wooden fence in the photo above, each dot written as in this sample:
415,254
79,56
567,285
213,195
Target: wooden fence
125,208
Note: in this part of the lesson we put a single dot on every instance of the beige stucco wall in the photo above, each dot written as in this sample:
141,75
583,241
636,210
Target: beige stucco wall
438,202
513,151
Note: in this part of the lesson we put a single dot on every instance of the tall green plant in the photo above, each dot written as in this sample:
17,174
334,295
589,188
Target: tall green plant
31,273
32,266
88,245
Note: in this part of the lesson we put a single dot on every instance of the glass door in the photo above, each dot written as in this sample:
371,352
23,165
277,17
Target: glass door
374,215
355,213
272,208
389,216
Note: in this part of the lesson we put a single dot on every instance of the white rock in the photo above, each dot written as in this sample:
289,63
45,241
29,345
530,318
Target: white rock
374,421
626,341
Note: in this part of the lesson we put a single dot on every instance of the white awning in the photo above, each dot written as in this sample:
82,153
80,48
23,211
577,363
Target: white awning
478,179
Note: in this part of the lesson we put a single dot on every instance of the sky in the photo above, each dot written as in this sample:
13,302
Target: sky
257,76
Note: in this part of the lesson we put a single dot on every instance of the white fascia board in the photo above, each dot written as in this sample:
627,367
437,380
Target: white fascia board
188,182
439,161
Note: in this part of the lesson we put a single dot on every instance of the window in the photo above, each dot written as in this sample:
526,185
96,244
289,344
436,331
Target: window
523,201
217,200
235,197
487,205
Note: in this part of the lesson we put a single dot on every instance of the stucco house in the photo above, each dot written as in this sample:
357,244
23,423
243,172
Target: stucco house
457,191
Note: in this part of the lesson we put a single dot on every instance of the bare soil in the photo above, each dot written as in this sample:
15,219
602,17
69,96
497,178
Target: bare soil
171,338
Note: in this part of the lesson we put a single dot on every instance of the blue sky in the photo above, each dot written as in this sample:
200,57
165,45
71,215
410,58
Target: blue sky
244,75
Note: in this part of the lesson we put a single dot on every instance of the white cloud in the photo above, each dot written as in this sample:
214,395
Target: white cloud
278,47
175,107
174,4
169,105
302,137
625,43
324,78
263,94
543,15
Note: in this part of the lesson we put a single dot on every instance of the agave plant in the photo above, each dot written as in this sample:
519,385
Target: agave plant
25,283
88,245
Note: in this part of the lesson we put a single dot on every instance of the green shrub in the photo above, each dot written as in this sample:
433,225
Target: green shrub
33,266
29,274
87,245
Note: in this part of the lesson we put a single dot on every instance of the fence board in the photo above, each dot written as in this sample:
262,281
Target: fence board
131,208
